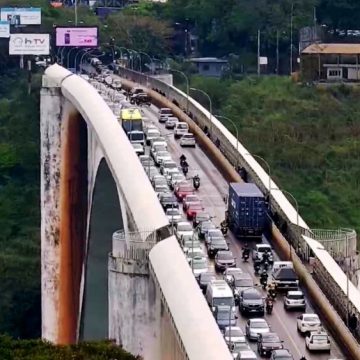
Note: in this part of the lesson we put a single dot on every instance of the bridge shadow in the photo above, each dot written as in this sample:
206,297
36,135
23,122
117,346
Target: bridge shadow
105,219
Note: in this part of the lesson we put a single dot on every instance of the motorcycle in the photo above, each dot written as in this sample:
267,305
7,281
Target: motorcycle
183,161
224,229
263,281
269,306
256,267
245,256
185,170
272,294
196,182
266,265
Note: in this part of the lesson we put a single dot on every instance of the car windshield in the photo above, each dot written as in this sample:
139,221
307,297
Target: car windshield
153,133
251,295
215,233
311,319
168,198
172,212
194,252
136,136
262,249
234,332
207,277
225,256
169,165
184,227
259,325
191,198
137,146
320,338
182,126
199,264
162,153
191,244
244,282
240,346
195,207
161,187
295,296
177,177
223,301
218,241
226,314
271,338
157,148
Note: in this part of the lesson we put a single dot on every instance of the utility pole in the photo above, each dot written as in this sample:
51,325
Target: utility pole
258,53
76,14
277,52
315,25
291,38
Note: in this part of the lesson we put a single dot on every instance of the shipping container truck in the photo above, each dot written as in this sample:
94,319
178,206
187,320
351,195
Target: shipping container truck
247,210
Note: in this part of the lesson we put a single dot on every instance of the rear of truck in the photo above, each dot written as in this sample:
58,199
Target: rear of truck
247,210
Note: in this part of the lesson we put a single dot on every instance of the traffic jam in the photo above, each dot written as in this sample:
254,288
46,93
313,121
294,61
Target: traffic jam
241,302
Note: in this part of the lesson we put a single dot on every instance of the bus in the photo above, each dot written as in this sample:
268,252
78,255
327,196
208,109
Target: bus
132,123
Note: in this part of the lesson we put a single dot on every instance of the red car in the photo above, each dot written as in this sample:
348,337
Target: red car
182,190
193,209
190,199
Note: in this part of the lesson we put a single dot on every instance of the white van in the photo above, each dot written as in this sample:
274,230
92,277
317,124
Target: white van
282,264
181,128
218,293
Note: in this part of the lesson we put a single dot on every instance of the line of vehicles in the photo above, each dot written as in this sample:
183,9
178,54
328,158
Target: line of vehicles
228,288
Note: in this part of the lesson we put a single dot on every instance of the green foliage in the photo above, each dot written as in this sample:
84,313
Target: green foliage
19,207
310,137
38,350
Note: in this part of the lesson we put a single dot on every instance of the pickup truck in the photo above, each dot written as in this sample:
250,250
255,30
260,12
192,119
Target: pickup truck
285,279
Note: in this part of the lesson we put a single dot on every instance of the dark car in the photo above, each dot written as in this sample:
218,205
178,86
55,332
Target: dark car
251,302
168,200
205,279
241,282
268,342
224,260
217,244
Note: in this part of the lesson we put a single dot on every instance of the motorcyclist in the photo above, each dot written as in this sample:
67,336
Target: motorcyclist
185,168
266,256
303,358
246,251
263,278
272,290
182,159
269,304
224,226
196,181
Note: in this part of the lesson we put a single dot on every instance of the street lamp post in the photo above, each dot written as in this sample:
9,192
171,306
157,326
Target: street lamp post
151,60
210,104
297,213
76,14
77,55
268,168
61,55
68,55
187,88
237,133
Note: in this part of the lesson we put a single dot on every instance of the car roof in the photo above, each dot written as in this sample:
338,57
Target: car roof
183,223
258,320
241,275
295,292
262,245
309,315
251,289
281,352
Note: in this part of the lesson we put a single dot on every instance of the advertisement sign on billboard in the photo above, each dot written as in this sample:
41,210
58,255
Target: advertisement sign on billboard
77,36
4,29
29,44
21,16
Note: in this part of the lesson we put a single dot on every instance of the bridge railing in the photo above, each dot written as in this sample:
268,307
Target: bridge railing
292,225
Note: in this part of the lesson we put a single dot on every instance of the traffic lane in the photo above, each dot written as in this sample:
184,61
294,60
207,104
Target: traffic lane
213,188
199,164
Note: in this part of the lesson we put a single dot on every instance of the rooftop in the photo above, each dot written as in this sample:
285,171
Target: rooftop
208,60
332,49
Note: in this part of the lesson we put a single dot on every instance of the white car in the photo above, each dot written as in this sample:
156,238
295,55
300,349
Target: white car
158,141
194,253
156,148
255,327
228,274
152,134
116,84
189,242
318,341
175,179
308,322
161,188
174,215
260,250
183,228
171,122
168,165
233,334
188,140
198,265
181,128
161,156
139,148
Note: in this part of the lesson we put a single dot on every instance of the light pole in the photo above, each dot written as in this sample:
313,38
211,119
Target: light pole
151,60
268,168
291,37
210,104
77,54
237,133
297,213
187,88
76,14
61,55
68,56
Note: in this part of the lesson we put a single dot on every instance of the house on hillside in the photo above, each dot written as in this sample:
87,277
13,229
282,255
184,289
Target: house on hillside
209,66
331,63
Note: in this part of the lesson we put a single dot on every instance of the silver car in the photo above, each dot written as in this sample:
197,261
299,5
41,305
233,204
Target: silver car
294,300
173,215
255,327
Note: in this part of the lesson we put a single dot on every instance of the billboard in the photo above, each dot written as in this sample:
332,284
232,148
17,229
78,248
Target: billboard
29,44
77,36
21,16
4,29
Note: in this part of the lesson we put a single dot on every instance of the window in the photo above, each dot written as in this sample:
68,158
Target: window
334,73
206,67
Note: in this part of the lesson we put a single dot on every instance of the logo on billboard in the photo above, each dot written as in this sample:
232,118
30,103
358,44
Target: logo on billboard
29,44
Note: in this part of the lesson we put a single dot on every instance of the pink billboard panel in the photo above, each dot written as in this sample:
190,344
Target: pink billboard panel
77,36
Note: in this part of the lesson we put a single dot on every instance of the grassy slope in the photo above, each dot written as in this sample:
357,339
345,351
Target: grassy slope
310,137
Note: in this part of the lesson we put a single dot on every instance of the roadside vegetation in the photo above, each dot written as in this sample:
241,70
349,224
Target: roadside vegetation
310,137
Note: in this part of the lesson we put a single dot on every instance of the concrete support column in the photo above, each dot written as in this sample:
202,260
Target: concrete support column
134,308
